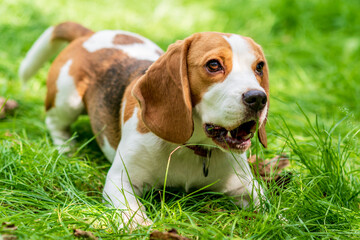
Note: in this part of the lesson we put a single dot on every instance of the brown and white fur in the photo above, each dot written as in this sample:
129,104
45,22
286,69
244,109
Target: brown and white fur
143,103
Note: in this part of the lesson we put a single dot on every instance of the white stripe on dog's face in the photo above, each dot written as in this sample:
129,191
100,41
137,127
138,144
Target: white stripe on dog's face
222,104
141,48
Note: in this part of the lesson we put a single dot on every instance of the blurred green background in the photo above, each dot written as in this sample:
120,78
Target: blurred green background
313,47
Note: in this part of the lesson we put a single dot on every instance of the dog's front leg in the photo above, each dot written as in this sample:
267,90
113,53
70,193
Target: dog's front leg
242,185
120,193
246,191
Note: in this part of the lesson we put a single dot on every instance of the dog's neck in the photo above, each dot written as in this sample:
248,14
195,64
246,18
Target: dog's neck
200,150
199,137
200,144
205,155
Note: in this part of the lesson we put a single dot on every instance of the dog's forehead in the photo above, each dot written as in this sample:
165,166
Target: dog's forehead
209,42
245,45
225,44
240,48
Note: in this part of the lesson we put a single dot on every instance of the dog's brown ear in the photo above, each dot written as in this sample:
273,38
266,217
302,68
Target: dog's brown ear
164,95
265,85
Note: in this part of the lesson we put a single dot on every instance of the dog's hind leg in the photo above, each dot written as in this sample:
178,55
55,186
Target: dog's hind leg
63,103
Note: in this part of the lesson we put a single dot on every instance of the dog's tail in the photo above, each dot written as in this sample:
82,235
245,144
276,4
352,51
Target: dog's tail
48,44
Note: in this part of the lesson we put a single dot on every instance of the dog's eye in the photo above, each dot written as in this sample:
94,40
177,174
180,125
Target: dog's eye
213,66
259,68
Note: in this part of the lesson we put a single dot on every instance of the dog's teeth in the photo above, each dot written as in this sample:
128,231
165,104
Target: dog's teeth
247,136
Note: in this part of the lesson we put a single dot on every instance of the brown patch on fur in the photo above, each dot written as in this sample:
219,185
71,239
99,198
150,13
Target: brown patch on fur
123,39
206,47
264,83
70,31
113,72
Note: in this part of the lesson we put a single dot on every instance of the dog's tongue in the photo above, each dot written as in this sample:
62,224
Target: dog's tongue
243,131
238,133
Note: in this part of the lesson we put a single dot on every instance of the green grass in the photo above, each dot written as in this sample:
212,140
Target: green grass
312,47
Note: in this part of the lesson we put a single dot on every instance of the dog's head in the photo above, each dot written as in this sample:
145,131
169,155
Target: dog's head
223,78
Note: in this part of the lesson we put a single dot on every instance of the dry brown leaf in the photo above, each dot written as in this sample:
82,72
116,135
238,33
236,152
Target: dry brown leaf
8,237
84,234
172,234
6,106
8,228
269,170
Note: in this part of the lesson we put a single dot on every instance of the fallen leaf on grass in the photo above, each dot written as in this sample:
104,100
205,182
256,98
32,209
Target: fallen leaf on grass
6,106
84,234
8,228
172,234
8,237
8,134
270,170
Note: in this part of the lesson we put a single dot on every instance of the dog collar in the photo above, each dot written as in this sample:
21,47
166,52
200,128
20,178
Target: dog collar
205,155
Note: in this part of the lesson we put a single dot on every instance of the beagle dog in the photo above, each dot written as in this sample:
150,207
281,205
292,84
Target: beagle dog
183,118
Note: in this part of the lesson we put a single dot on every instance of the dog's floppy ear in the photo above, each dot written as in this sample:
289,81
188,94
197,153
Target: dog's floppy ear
265,85
164,95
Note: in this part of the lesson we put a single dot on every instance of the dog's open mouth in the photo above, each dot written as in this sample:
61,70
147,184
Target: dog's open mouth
235,139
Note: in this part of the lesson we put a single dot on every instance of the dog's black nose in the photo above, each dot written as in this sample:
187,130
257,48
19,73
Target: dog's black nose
255,99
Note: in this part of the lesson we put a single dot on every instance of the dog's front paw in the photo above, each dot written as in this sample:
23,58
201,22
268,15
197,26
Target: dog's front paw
64,149
132,220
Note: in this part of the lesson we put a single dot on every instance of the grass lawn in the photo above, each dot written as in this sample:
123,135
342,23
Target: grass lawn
312,48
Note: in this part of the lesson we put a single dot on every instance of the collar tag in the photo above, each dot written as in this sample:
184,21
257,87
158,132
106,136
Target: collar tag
204,154
206,163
